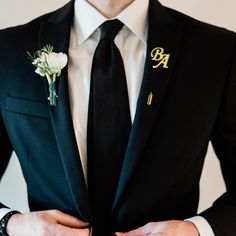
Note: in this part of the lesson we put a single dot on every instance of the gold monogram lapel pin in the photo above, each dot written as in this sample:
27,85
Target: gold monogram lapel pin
161,58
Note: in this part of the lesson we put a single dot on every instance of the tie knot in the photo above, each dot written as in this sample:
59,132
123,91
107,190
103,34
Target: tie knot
109,29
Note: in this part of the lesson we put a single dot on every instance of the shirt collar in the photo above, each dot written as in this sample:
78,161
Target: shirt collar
87,19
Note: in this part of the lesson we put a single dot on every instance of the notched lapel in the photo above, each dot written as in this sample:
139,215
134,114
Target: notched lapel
56,31
164,34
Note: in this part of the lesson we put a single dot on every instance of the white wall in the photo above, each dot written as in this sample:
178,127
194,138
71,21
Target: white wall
13,12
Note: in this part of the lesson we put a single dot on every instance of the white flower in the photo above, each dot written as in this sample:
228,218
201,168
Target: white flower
49,64
56,61
36,61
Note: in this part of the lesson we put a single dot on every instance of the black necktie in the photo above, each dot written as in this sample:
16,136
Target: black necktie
109,125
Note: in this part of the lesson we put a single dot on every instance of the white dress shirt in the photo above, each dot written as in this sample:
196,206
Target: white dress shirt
132,43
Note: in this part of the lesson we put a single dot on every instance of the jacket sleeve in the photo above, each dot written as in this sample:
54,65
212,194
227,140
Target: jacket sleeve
5,150
222,215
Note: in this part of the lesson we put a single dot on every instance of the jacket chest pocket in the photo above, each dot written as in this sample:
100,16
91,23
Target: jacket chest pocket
27,107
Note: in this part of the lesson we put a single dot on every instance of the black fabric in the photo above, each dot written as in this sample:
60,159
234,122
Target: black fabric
108,127
193,103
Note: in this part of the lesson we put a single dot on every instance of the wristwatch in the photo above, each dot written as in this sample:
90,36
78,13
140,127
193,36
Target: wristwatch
4,221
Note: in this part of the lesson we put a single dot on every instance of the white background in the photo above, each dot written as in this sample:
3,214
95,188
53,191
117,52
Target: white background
218,12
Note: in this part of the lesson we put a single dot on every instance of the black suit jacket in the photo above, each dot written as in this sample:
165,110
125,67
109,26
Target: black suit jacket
194,101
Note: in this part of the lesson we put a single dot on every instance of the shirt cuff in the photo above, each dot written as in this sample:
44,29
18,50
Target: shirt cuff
4,211
202,225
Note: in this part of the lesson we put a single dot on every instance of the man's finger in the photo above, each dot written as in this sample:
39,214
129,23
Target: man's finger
146,229
67,220
61,230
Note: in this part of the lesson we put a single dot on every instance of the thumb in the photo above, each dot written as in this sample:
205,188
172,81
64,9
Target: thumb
67,220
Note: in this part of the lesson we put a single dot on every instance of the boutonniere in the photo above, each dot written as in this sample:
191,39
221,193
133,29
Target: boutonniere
49,64
161,58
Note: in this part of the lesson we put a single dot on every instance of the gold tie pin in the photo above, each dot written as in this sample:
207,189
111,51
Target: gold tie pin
149,100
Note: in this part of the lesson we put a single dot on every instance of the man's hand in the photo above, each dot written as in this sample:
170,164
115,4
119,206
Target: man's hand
164,228
46,223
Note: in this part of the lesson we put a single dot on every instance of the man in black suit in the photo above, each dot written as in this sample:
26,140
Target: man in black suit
181,91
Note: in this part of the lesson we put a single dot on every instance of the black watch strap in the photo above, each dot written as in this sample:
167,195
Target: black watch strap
4,221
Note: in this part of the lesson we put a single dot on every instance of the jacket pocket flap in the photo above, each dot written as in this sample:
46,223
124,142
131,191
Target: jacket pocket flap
27,107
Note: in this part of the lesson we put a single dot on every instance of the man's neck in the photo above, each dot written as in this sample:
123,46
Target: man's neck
110,8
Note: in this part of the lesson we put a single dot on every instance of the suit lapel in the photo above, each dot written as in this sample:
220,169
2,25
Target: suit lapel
164,34
56,32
